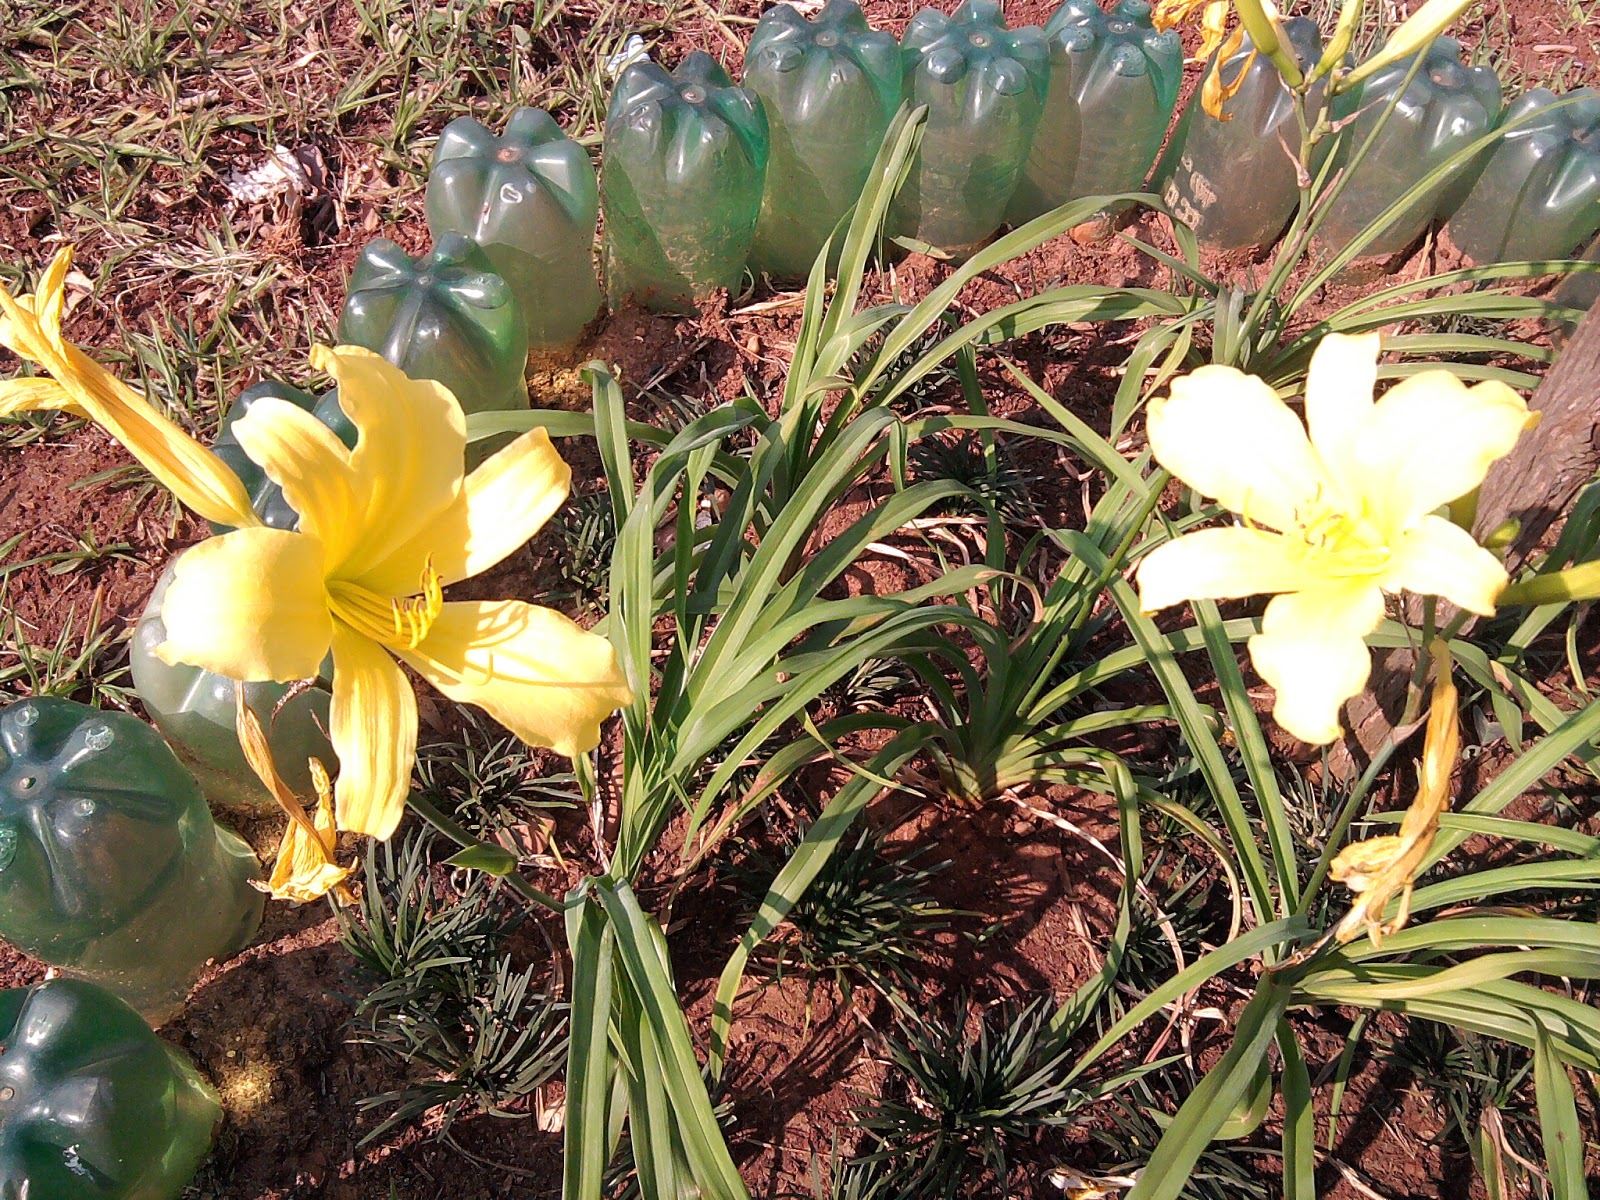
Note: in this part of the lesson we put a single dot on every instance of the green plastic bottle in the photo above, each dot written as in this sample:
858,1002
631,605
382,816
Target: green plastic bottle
1582,291
196,711
1232,181
110,864
681,176
1539,194
985,88
1113,87
830,87
445,316
1447,107
529,198
93,1106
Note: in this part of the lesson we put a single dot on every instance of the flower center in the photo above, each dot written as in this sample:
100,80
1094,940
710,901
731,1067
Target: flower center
400,622
1339,542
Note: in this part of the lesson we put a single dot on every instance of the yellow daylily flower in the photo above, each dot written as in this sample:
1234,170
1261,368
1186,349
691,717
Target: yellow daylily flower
306,869
383,529
1331,521
1379,868
30,327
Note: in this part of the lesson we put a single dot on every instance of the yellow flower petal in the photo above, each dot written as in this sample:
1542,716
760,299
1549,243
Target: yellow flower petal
1431,439
1310,649
1215,91
36,394
409,458
539,674
303,457
1437,558
249,605
373,727
1227,435
1220,564
1344,371
189,470
505,502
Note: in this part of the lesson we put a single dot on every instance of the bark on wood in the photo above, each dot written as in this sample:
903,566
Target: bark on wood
1534,485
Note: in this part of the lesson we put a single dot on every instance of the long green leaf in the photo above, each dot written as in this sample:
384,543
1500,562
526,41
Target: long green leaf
696,1122
1218,1095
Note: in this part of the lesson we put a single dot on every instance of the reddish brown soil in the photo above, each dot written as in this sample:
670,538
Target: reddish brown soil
270,1027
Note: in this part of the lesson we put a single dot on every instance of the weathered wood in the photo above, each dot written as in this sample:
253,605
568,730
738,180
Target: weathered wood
1536,482
1534,485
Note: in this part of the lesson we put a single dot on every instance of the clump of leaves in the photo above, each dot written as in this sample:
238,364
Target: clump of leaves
587,526
874,685
1135,1120
942,378
442,994
1172,918
957,1103
488,780
865,918
867,1178
1484,1089
994,478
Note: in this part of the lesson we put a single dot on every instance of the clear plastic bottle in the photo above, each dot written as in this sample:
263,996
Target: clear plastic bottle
1446,108
681,177
111,866
1113,86
1538,196
985,88
529,198
1233,181
830,87
445,316
93,1106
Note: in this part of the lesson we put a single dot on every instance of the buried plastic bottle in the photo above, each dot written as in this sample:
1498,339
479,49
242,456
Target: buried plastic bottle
681,174
111,866
830,87
529,198
1446,107
1581,289
196,711
985,88
1539,194
445,316
1113,86
1234,181
93,1105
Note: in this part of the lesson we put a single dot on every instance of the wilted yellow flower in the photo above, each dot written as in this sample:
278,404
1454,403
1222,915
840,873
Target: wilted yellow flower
1332,521
30,326
306,869
1258,17
383,529
1378,868
1169,14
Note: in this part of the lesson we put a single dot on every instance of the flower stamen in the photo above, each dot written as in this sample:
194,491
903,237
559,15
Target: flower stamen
400,622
